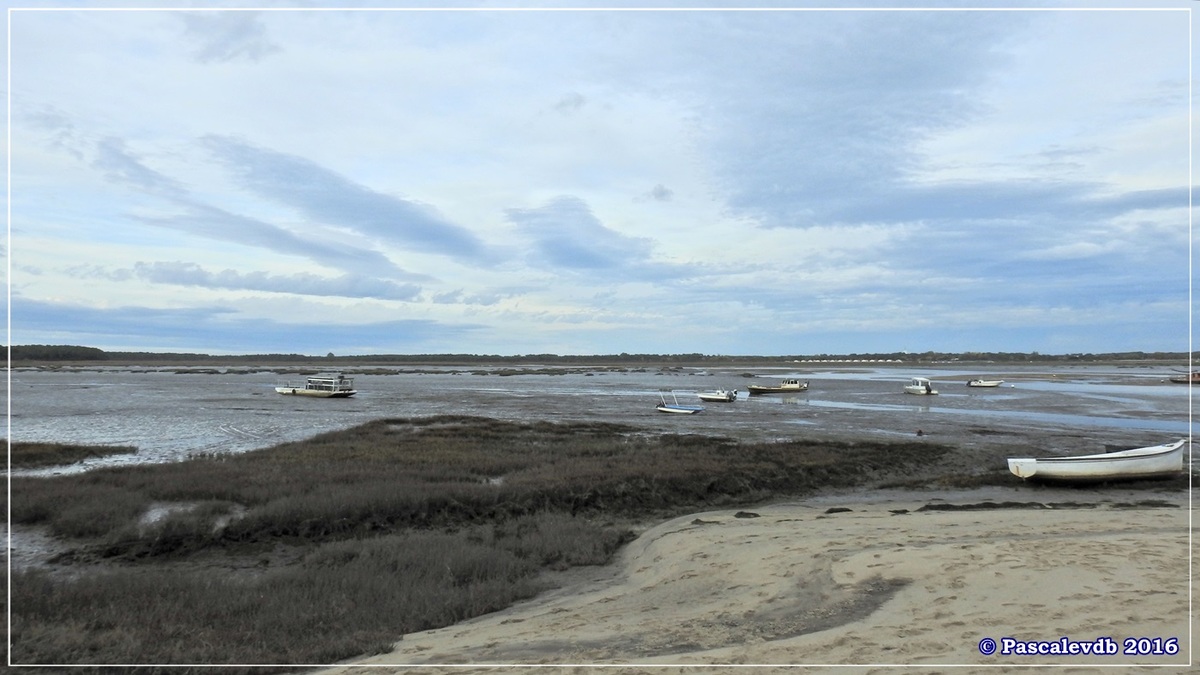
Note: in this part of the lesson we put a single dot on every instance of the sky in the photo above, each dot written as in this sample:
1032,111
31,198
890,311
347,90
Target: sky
854,178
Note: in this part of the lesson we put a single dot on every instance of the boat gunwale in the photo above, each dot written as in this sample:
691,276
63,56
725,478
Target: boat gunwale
1150,451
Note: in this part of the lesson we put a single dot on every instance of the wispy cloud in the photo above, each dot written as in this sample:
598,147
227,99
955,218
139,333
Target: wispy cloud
222,329
565,235
119,165
836,112
221,225
956,202
221,37
330,198
346,285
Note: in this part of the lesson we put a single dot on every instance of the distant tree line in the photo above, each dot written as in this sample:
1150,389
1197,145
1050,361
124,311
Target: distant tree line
1003,357
77,353
56,353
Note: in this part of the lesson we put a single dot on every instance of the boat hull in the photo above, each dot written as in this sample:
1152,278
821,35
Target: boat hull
680,409
718,396
1156,461
756,390
313,393
985,383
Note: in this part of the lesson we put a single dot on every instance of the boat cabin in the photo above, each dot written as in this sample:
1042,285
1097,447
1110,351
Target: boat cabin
330,383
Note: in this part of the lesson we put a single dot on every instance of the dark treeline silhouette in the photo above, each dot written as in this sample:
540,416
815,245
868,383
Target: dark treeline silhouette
57,353
62,353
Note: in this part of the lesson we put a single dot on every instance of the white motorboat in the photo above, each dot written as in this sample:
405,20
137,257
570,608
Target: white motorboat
321,386
984,383
1155,461
920,386
785,387
718,395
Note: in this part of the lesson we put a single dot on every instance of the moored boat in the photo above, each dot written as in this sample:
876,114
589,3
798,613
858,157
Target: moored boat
984,383
920,386
321,386
785,387
719,395
675,406
1154,461
1187,378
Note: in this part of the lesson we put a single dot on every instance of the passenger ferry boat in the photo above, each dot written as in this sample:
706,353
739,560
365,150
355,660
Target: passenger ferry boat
321,386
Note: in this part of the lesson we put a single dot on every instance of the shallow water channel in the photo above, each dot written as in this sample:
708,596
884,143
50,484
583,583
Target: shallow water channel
170,415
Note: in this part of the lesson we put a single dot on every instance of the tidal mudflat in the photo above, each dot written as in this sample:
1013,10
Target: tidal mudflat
327,515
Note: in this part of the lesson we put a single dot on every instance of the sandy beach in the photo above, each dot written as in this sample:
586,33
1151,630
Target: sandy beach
873,580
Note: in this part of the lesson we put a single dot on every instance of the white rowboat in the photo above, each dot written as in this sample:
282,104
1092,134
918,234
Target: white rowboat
1155,461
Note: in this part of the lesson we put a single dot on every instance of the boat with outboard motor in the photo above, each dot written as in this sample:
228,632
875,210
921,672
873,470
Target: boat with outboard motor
984,383
920,386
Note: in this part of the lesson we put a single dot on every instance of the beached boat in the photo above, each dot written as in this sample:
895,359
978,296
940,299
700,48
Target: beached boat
920,386
984,383
1155,461
718,395
785,387
1187,378
675,406
321,386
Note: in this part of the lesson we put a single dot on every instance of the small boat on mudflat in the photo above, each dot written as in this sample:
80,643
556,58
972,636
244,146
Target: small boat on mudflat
720,395
984,383
676,407
1187,378
321,386
785,387
1154,461
920,386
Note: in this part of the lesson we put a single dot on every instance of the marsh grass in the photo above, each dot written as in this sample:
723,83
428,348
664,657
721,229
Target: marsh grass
402,524
37,455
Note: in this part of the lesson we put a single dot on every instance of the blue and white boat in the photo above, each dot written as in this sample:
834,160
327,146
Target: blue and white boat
675,406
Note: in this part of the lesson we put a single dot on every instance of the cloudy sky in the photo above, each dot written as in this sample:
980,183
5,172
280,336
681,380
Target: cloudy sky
592,182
